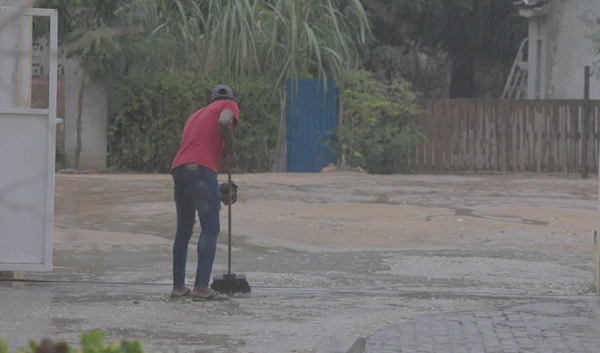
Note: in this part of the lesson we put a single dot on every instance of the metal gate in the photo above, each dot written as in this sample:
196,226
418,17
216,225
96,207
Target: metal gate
27,147
312,115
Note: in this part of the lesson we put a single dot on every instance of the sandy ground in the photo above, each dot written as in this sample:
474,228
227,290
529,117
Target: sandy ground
328,255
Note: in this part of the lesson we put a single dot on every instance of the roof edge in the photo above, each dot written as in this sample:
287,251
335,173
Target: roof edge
529,4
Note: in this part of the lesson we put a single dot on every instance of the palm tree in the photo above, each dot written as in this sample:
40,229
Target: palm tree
288,38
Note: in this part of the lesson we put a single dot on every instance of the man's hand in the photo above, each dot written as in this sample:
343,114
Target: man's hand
224,188
231,159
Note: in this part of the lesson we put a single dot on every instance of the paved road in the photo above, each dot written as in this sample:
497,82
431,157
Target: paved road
547,326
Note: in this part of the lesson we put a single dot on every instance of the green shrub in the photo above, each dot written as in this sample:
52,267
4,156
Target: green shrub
379,131
257,134
91,342
146,131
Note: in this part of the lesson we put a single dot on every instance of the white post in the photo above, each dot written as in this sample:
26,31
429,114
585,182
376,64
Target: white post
9,60
26,46
597,230
597,245
543,56
532,59
52,103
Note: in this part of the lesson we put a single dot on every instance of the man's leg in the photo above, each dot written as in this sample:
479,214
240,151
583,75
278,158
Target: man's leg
207,197
208,212
186,218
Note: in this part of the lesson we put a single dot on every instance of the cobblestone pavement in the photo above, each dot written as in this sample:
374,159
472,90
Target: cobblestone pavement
546,326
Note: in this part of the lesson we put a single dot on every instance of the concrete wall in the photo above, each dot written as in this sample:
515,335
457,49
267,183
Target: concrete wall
570,28
94,125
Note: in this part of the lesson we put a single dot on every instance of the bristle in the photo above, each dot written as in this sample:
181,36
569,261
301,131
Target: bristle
243,286
219,286
230,285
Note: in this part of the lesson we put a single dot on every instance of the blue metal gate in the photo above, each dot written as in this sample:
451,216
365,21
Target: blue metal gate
312,116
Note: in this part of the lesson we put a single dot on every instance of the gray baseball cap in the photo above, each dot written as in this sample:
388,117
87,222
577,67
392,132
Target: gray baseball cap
222,92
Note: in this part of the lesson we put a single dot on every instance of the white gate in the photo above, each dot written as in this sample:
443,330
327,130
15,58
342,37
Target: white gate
27,147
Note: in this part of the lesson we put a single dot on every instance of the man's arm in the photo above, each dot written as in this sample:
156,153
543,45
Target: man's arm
226,121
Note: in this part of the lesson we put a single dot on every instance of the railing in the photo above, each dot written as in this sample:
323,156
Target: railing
508,135
516,84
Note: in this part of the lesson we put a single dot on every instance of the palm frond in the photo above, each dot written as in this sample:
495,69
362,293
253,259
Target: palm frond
286,39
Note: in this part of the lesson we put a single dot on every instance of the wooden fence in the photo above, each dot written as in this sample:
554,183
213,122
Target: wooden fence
474,135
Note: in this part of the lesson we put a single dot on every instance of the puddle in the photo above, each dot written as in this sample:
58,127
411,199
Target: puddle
465,212
64,323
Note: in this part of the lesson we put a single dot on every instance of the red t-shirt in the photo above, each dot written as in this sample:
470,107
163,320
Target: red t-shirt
201,142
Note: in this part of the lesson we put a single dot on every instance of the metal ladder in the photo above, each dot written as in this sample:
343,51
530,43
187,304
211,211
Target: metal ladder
516,85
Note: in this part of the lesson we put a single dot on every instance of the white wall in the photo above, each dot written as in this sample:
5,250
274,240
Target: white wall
94,126
26,203
571,27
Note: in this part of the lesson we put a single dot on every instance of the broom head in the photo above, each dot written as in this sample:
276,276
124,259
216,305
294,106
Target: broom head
230,284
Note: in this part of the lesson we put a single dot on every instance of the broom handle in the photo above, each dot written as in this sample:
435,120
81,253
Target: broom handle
229,220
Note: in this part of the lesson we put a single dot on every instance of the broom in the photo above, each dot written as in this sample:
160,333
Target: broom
230,283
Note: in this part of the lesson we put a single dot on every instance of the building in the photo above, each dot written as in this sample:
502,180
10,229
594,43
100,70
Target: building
560,43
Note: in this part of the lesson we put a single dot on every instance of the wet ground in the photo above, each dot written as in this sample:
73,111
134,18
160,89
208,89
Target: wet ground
543,326
328,255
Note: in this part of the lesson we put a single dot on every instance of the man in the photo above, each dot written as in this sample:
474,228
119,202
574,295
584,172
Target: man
194,173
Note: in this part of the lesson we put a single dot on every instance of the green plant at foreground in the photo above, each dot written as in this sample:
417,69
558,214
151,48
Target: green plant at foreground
91,342
379,131
3,346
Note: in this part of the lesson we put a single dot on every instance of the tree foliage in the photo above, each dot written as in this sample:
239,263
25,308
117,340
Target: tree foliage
171,41
92,30
379,131
236,39
596,64
478,35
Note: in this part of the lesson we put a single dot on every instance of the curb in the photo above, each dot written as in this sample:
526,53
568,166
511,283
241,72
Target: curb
358,346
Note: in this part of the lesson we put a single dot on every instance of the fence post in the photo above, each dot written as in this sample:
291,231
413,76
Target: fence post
586,124
596,262
341,160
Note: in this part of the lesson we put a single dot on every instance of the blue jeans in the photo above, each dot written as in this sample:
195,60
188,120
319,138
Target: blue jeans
196,190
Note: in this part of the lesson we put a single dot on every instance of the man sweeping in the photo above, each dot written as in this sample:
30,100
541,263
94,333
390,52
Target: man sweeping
194,170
